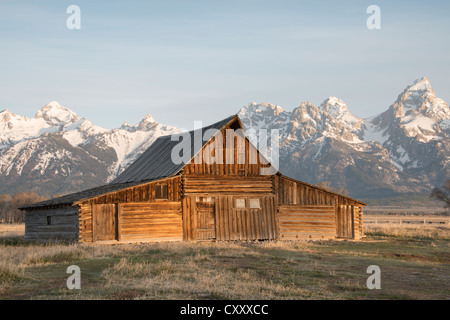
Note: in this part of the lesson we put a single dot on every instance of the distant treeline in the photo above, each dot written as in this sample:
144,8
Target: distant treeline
9,212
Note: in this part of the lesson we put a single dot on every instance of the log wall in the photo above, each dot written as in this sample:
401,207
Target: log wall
157,221
299,222
307,212
203,184
142,194
52,224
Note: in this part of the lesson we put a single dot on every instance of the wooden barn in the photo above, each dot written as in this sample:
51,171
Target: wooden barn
159,199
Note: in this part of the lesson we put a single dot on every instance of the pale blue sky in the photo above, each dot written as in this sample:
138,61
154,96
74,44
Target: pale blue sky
203,60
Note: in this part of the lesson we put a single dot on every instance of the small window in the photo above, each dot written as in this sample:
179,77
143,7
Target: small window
49,220
254,204
161,191
240,203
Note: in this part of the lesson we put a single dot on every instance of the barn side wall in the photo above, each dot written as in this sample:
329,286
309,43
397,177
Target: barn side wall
157,221
52,224
306,212
139,215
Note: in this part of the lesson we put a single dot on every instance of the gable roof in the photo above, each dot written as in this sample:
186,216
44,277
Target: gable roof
156,162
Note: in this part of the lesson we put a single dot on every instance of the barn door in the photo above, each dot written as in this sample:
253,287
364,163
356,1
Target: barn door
345,222
204,219
104,222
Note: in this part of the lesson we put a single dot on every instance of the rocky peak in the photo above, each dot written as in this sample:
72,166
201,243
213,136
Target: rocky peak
6,115
335,107
419,98
263,115
56,114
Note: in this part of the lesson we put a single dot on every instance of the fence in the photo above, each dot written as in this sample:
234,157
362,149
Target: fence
406,220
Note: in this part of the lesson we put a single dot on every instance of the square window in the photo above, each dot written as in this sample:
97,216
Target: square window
240,203
161,191
255,204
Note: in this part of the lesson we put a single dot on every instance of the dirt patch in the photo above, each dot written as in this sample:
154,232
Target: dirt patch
126,295
411,257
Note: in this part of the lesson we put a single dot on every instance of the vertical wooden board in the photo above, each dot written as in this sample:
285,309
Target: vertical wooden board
352,224
119,221
274,215
223,220
219,205
195,222
267,218
268,228
261,233
186,219
183,218
238,223
241,217
188,216
255,219
251,224
234,218
219,219
349,222
233,222
93,210
243,213
259,225
191,203
249,229
226,220
337,221
303,198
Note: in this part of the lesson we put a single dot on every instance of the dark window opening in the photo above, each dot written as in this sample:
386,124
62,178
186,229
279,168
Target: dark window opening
49,220
161,191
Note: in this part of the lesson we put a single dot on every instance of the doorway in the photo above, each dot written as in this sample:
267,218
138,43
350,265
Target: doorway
204,220
104,224
345,222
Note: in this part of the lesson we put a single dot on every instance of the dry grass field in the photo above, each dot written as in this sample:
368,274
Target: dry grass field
414,262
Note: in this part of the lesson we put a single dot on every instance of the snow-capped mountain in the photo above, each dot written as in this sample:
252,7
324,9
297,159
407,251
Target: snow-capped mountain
415,130
67,152
404,149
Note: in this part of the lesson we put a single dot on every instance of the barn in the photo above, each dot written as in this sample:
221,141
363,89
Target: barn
197,197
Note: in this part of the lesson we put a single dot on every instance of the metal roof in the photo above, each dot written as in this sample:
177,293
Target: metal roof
156,161
82,195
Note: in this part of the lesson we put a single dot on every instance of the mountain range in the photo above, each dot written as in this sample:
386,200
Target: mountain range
405,149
